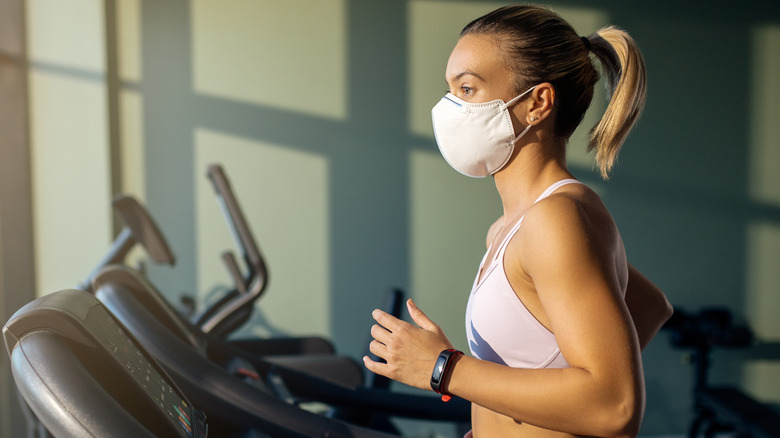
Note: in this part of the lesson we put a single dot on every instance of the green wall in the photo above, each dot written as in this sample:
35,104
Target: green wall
319,111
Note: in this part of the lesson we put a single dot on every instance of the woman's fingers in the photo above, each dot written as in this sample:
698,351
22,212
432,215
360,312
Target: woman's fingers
386,320
375,367
419,317
380,333
407,350
378,349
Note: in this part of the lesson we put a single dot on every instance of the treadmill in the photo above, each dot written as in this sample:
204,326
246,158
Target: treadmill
84,373
234,308
233,385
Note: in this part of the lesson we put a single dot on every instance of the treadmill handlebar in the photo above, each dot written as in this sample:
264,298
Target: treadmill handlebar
237,224
228,313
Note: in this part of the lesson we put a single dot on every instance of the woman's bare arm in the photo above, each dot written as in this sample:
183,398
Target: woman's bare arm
600,394
647,304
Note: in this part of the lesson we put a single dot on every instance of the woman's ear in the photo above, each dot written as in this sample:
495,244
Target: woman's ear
541,103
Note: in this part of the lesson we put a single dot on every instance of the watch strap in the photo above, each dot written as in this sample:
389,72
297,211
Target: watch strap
441,371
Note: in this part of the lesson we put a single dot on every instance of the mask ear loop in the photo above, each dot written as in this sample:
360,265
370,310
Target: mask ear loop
512,102
521,134
518,97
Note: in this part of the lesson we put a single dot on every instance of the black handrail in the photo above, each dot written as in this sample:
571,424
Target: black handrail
235,308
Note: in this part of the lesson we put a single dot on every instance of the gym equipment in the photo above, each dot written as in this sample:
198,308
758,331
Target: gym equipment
232,384
239,389
139,228
119,285
83,373
235,307
719,408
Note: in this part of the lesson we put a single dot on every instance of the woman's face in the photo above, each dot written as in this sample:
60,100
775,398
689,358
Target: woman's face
475,72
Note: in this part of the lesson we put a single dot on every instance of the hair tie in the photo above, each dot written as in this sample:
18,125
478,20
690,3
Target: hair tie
586,42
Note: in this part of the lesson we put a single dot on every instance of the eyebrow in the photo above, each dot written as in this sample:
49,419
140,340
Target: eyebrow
466,72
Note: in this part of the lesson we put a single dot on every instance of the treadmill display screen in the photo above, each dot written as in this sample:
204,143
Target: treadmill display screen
114,338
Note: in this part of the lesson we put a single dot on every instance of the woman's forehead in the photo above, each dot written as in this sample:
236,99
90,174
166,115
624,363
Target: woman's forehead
477,55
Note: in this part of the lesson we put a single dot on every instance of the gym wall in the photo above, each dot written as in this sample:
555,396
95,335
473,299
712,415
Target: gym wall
319,111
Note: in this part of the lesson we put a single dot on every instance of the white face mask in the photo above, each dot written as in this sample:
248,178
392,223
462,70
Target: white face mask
476,139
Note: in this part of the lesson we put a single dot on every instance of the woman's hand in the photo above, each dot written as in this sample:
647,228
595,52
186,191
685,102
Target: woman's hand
410,351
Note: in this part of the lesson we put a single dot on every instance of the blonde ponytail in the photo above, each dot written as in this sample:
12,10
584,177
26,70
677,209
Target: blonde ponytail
623,69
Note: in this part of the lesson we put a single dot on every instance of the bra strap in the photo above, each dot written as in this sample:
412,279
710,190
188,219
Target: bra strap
547,192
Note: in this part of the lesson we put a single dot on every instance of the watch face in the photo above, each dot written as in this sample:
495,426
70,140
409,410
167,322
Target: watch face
438,369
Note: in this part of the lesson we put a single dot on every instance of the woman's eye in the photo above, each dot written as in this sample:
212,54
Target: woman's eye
467,91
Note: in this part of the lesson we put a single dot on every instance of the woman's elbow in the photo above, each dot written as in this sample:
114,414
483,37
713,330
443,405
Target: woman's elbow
623,417
620,425
668,310
658,314
627,422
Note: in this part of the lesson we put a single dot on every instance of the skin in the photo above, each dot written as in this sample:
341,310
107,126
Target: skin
566,264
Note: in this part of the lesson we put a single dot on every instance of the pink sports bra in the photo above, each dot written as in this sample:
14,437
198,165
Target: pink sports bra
499,327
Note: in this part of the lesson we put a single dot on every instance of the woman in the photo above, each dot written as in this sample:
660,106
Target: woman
556,318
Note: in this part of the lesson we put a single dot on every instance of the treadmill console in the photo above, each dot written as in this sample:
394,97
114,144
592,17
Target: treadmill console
81,371
145,374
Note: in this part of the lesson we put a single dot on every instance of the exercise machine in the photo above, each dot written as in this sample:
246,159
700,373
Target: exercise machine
138,228
235,307
231,384
719,408
84,373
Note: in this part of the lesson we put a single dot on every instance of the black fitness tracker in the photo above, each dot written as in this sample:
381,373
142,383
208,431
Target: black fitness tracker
439,374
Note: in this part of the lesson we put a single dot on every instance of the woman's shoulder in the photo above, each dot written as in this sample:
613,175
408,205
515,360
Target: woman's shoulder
572,210
570,199
562,231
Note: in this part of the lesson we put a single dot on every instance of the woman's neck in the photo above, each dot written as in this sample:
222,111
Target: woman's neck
530,171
